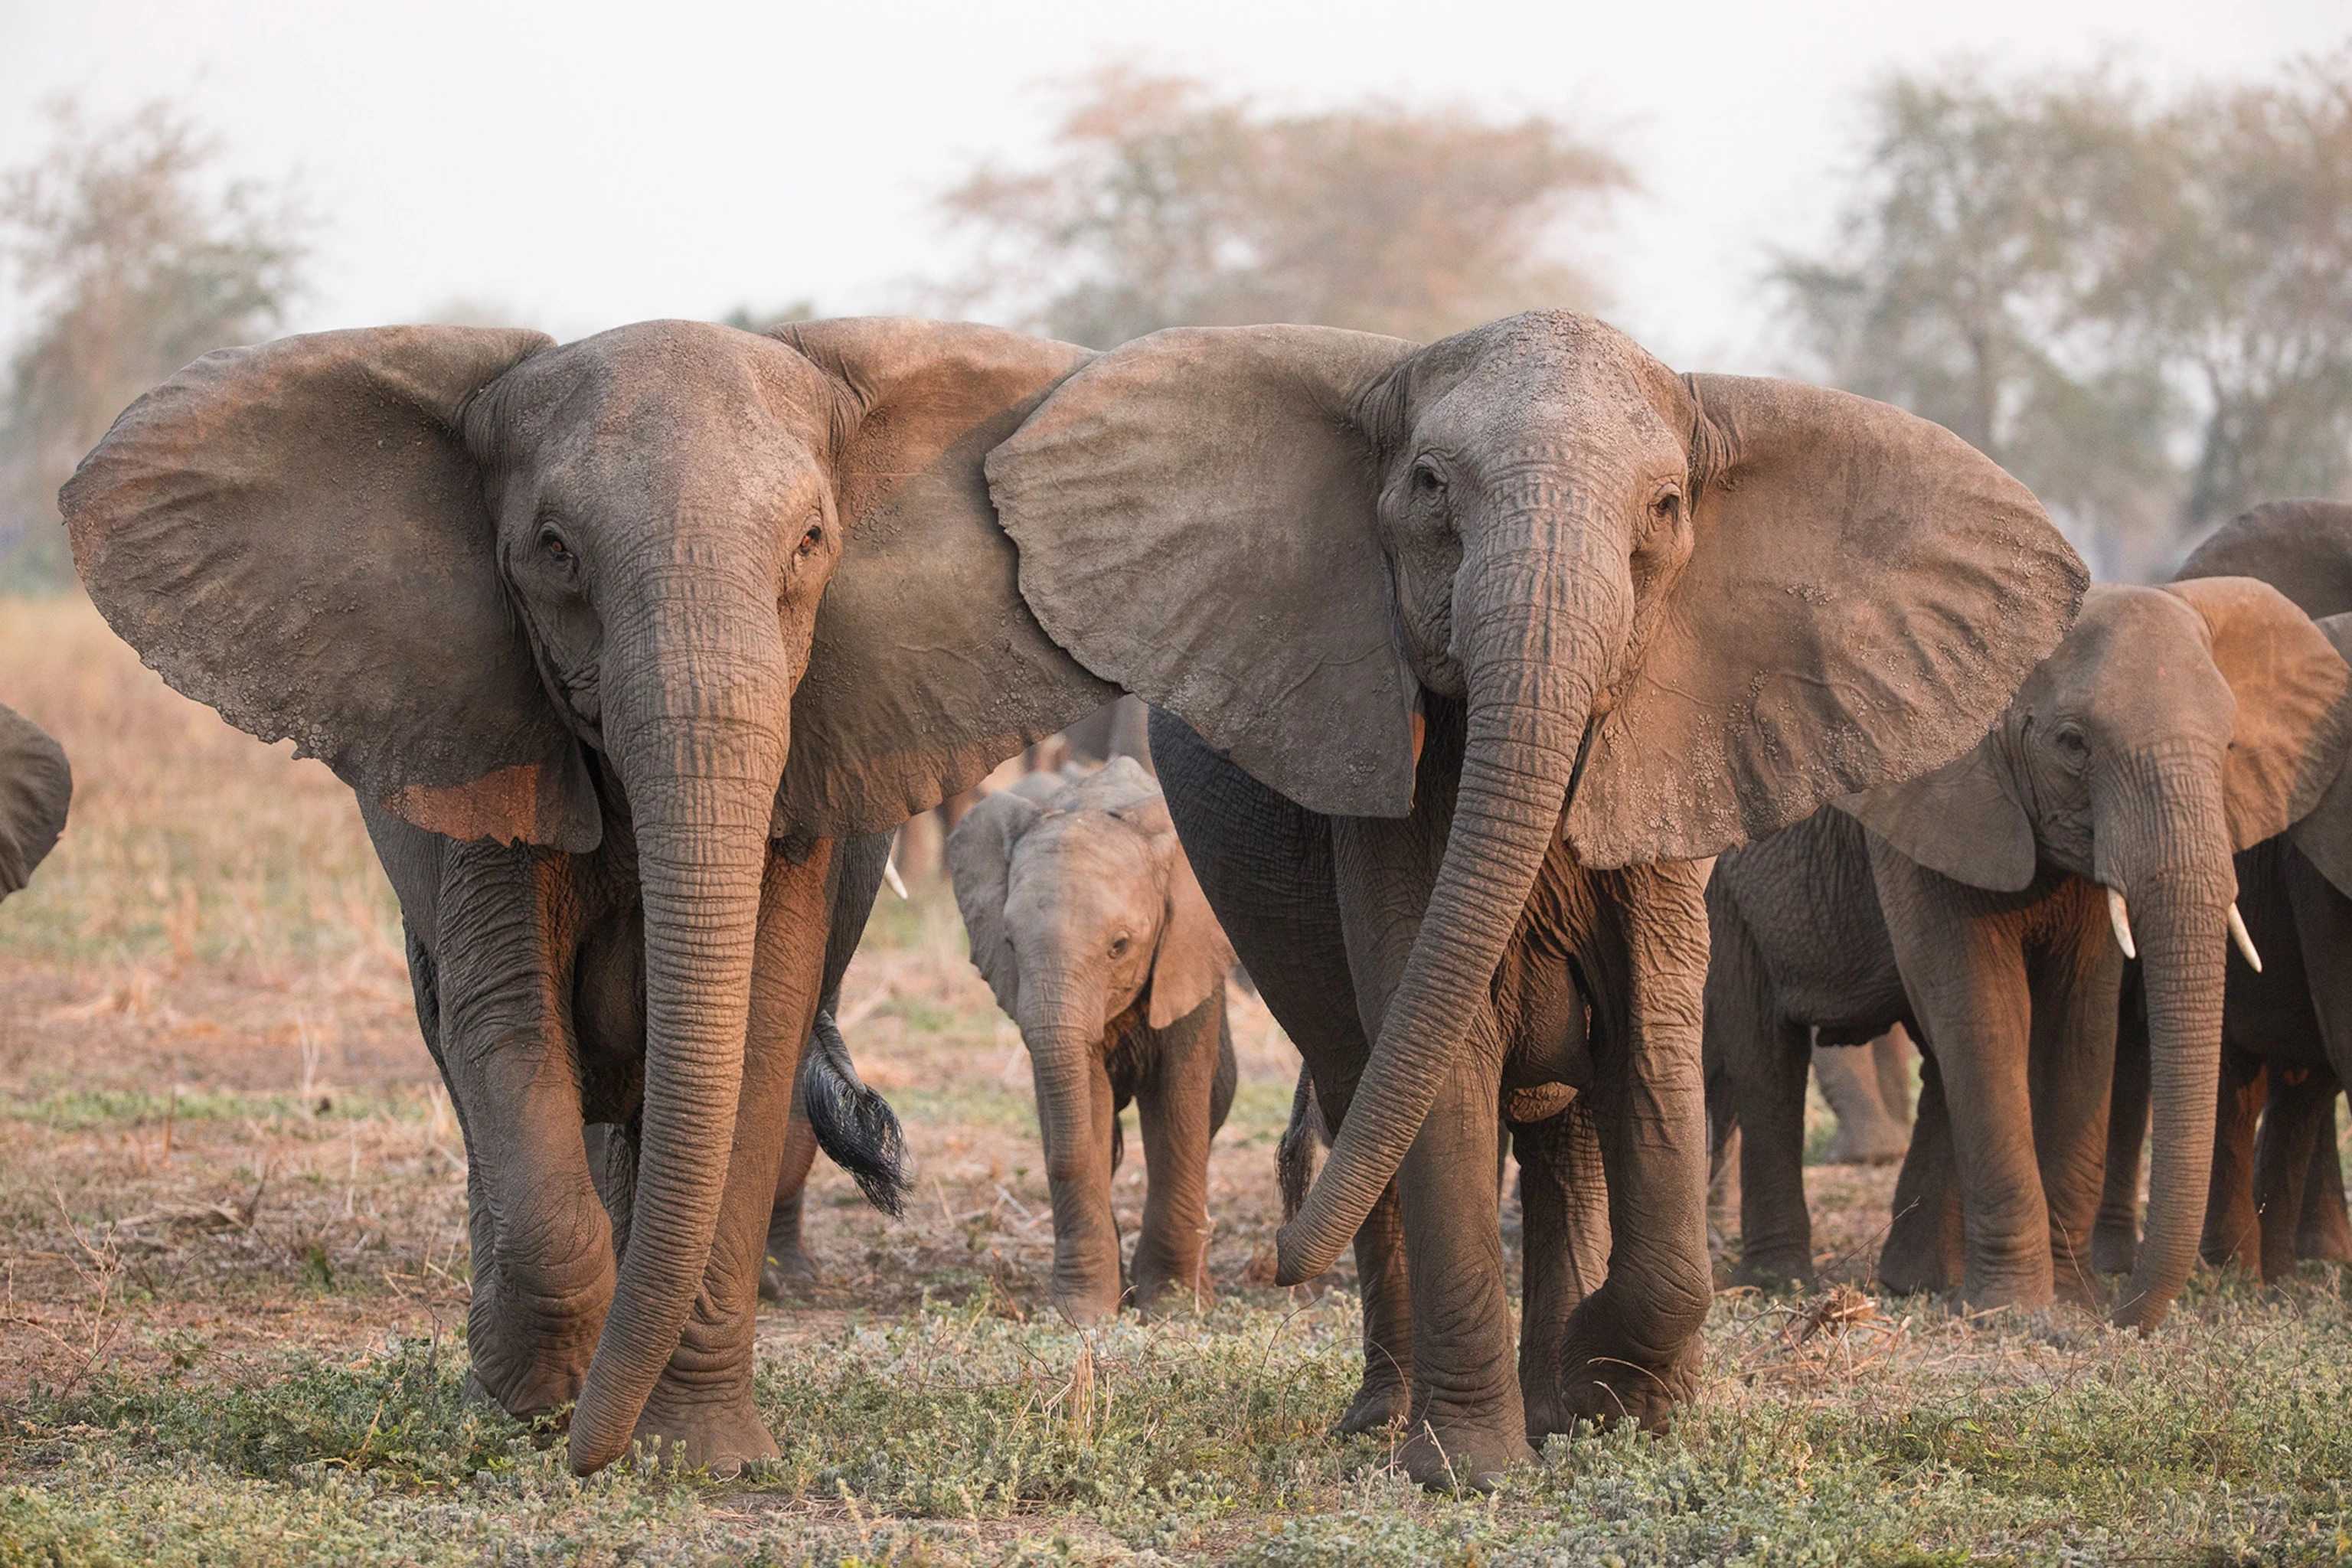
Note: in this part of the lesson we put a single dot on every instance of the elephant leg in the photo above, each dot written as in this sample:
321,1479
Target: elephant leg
1564,1194
2115,1238
1890,1058
543,1261
1868,1131
2322,923
701,1408
1631,1351
2234,1225
1924,1247
2298,1119
2324,1233
2071,1070
785,1266
1775,1228
1176,1105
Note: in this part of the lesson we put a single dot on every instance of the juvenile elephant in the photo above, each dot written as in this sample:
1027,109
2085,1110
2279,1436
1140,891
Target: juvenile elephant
1989,906
519,593
36,788
1088,925
1461,655
2281,1196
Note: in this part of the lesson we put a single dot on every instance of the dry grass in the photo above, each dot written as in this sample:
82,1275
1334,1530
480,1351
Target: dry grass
232,1237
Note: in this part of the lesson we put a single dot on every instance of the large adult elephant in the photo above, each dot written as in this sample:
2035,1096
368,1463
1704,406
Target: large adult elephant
1990,906
2283,1195
568,596
36,788
1466,652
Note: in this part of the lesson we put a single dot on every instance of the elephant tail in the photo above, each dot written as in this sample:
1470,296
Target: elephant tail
1294,1157
853,1124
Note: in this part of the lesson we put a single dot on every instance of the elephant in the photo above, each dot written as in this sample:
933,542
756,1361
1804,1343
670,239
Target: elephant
1464,657
2280,1197
642,599
1870,1091
1990,907
35,790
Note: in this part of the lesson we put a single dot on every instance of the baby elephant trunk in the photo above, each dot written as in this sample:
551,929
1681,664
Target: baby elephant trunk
1073,1111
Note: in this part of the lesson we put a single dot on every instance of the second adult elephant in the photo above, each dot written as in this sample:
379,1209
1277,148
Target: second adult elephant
35,790
1989,906
1089,926
1461,654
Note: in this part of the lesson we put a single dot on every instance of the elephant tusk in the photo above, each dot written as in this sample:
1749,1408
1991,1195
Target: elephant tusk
2120,918
899,883
2245,943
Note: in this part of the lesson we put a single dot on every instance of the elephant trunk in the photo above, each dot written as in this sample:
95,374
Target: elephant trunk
2176,885
698,736
1536,626
1063,1029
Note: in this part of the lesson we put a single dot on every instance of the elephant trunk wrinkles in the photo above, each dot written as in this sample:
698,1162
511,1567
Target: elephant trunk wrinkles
1063,1029
2171,862
1537,626
698,732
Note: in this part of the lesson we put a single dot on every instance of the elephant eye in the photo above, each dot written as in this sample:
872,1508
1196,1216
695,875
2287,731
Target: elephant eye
811,539
1668,507
1118,945
2069,738
1427,483
551,545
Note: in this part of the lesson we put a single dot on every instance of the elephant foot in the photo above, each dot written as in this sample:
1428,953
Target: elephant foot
1912,1271
1777,1269
2114,1245
2325,1244
1606,1389
720,1438
1882,1144
1456,1457
1380,1404
528,1398
1175,1295
2029,1292
784,1275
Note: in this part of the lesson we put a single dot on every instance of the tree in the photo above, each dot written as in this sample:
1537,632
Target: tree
1163,204
136,256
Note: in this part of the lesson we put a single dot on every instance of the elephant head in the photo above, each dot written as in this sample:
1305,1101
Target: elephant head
36,787
1084,913
2173,727
1680,610
505,588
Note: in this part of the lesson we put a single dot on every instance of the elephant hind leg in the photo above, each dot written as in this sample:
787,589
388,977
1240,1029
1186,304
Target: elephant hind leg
2324,1233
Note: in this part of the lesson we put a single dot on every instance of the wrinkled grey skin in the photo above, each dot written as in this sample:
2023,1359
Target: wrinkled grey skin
1869,1090
36,788
1401,598
550,1206
1982,924
2281,1196
568,596
1088,923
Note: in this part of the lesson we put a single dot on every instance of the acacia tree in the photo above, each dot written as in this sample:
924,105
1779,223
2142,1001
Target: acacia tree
1163,204
135,256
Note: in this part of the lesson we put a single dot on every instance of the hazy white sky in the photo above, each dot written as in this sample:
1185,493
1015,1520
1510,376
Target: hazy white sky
582,164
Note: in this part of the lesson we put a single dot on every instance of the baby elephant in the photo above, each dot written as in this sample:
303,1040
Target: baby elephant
1087,924
34,787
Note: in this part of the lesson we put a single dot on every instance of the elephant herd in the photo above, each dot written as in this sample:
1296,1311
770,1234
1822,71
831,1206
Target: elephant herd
1465,662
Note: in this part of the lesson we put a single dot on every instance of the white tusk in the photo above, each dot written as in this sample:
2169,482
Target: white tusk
2245,943
899,883
2120,918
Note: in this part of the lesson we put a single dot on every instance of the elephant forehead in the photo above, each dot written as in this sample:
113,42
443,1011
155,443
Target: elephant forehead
1081,861
667,382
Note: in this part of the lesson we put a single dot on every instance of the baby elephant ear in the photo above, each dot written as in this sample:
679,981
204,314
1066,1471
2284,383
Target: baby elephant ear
36,787
296,535
2294,722
2324,833
980,864
1192,957
1962,820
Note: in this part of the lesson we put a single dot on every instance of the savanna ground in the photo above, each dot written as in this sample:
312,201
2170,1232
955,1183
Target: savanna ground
233,1240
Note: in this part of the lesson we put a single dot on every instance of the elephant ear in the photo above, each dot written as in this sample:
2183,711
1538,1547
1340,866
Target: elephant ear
1225,474
36,787
980,864
2301,548
1963,820
296,535
2294,722
926,670
1192,956
1864,592
2324,833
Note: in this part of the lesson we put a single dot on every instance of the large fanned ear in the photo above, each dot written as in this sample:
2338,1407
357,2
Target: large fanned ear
1964,819
36,787
1223,476
2324,833
928,669
296,535
980,864
1864,592
2301,548
2294,722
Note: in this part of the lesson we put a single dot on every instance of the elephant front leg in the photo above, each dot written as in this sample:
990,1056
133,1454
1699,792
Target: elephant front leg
1564,1195
1631,1351
701,1410
1466,1424
1175,1105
